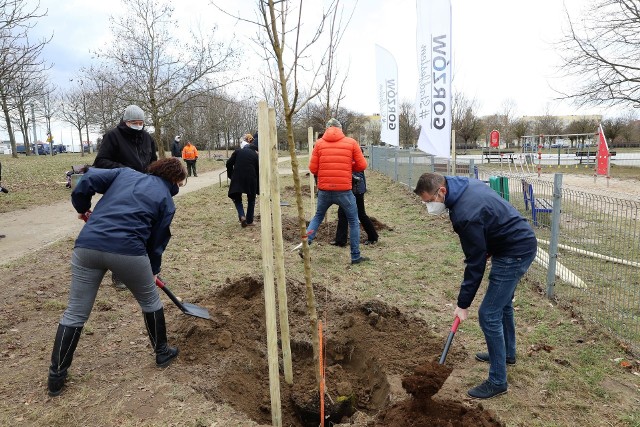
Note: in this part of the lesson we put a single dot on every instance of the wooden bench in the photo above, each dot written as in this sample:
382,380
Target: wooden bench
590,157
537,204
498,155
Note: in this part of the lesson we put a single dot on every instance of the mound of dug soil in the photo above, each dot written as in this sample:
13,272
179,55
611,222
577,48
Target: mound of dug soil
421,411
368,347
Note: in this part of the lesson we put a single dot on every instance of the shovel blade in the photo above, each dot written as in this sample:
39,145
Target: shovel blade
195,310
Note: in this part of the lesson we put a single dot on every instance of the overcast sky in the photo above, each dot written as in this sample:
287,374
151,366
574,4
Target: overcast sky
502,49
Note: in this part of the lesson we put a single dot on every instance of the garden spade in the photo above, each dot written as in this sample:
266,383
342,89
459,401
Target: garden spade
187,308
454,328
427,379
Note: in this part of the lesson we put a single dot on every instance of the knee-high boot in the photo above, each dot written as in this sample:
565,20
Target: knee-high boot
157,330
64,346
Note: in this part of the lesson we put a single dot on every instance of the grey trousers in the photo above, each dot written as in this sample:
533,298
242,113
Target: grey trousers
88,267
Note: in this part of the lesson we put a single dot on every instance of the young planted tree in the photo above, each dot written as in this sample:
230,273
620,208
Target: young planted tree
290,52
301,65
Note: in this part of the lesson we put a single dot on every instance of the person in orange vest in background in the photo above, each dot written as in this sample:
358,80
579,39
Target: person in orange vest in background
190,155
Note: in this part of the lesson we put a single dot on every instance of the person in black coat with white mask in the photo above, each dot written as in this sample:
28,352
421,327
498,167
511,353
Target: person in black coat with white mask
128,144
176,147
243,170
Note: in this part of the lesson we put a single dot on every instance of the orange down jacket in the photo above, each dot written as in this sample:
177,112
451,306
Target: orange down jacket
333,159
189,152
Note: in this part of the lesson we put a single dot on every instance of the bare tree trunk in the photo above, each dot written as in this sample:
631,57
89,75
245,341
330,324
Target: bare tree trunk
7,118
288,116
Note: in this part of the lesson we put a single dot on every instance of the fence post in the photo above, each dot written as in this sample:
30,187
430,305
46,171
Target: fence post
472,169
410,167
555,231
372,163
395,164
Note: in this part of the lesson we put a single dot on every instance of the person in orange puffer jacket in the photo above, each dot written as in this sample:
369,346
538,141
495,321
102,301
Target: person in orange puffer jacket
190,155
333,160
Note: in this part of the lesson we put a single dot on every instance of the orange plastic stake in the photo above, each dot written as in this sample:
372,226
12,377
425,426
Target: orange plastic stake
321,374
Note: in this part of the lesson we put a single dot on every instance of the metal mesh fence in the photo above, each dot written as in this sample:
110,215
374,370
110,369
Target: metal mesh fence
406,166
593,257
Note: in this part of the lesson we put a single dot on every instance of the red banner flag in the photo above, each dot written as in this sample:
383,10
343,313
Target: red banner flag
602,167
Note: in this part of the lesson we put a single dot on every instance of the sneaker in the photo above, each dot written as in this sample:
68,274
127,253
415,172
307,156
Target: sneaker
359,260
370,242
487,390
334,243
484,357
243,221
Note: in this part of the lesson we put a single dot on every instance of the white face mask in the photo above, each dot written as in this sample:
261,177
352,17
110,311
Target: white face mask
135,127
435,208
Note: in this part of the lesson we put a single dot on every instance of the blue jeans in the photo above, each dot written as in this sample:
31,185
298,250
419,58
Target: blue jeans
496,313
347,201
251,204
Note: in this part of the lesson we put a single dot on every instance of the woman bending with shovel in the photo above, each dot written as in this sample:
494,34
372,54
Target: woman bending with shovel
126,233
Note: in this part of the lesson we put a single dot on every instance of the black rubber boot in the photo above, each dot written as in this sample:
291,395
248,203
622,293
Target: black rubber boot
64,346
157,330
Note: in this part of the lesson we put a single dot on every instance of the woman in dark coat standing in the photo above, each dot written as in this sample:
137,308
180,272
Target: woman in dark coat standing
243,170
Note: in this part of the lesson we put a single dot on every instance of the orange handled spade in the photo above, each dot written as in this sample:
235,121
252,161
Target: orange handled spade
454,328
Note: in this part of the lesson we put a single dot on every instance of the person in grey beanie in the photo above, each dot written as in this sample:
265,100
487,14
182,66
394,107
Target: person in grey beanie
127,145
176,147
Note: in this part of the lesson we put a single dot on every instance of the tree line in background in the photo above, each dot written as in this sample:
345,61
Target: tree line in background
185,88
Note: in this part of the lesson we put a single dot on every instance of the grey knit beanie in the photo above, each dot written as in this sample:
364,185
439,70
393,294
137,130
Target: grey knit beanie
334,123
133,112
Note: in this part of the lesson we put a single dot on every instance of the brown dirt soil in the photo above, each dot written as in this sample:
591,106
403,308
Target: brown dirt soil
226,359
421,411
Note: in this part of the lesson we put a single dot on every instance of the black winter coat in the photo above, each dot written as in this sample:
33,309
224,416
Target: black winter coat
125,147
176,149
243,170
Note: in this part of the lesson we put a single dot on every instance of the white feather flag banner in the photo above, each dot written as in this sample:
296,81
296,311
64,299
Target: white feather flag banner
387,91
433,101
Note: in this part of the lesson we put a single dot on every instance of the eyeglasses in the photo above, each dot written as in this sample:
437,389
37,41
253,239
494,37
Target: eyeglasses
183,182
136,122
432,197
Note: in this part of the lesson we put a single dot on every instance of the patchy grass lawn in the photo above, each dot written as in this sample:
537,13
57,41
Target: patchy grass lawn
40,180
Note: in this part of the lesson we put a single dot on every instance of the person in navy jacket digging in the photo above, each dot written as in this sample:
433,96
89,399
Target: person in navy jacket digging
488,227
126,233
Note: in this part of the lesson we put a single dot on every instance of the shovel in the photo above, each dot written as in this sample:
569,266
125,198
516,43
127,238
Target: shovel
427,379
454,328
187,308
